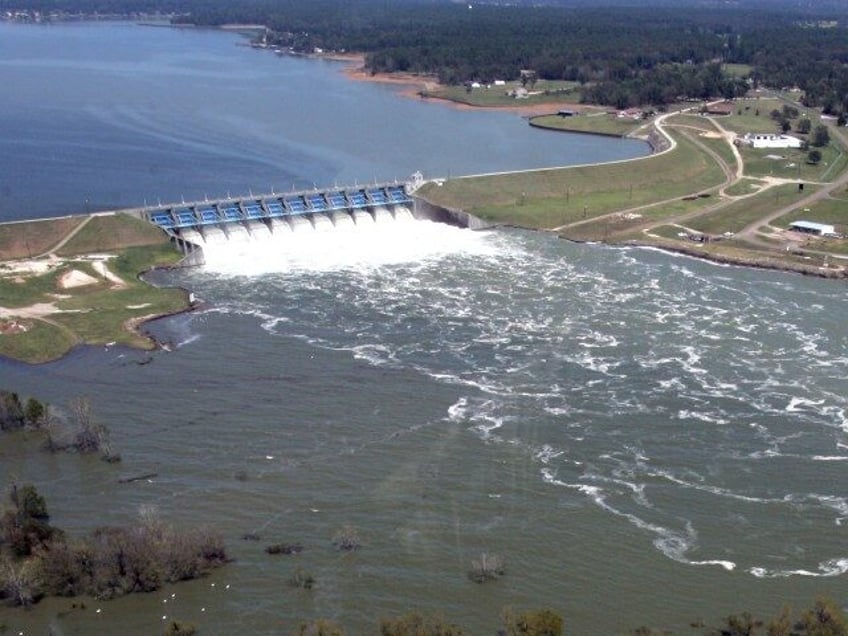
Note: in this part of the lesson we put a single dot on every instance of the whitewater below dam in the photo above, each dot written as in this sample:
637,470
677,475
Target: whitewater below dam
644,438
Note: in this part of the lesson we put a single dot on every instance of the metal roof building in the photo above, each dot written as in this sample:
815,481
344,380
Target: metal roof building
811,227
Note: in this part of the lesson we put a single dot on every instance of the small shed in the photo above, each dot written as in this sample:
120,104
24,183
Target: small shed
811,227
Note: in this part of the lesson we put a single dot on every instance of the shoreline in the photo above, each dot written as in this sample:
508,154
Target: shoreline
416,83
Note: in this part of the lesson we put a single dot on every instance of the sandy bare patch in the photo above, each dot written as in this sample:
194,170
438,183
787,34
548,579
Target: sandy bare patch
34,267
105,272
712,135
38,310
76,278
12,327
141,306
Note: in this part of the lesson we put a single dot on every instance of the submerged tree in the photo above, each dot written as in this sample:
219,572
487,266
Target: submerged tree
487,568
27,524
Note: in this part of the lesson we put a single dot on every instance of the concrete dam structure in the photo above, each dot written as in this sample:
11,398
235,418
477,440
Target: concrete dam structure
254,218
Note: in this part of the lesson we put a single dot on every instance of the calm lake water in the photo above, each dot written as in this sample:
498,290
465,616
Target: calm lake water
645,439
109,115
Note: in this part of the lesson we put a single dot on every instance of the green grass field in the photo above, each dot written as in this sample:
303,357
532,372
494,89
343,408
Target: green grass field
597,123
544,92
104,233
788,163
752,115
737,215
737,70
91,314
832,211
745,186
41,342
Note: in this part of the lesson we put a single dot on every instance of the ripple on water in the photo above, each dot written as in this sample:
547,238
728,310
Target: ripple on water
577,361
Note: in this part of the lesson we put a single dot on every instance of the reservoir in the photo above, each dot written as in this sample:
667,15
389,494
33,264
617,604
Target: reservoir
644,439
104,116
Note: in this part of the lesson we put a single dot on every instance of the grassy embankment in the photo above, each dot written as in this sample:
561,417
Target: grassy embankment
546,199
600,123
646,200
100,312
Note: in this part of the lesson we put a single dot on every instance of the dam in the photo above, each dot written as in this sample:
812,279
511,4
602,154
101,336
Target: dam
191,225
259,218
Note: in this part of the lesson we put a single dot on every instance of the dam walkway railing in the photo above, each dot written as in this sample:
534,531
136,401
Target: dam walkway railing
175,217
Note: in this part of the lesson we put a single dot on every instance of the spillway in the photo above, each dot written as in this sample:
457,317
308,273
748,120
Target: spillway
257,219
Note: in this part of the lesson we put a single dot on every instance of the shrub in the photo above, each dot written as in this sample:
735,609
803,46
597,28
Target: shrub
346,539
781,625
11,411
825,618
91,437
19,582
740,625
26,526
320,627
542,622
179,628
487,568
284,548
301,578
415,624
116,561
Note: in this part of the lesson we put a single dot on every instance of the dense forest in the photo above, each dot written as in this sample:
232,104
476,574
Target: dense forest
623,55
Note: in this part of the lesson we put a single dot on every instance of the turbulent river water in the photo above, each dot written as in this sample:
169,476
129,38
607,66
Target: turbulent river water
645,439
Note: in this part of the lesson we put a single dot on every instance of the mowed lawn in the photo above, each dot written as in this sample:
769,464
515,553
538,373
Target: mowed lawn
549,198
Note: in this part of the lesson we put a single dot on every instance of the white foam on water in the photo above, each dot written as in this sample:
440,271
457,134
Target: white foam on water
192,338
797,404
827,569
458,410
685,414
320,245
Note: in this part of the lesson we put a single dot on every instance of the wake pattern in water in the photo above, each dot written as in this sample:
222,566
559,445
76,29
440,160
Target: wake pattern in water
703,406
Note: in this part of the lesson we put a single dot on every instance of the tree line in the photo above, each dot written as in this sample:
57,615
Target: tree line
623,55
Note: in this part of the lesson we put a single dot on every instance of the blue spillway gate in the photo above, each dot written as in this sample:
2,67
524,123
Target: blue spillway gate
172,218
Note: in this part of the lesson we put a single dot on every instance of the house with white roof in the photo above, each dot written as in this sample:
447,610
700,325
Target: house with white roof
768,140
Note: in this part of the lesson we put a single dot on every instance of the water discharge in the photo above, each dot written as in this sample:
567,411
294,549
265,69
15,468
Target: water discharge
659,391
318,243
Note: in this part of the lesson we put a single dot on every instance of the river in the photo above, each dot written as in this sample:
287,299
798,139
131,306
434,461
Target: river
645,439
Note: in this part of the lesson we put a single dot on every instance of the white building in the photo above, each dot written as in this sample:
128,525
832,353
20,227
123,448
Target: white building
811,227
766,140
